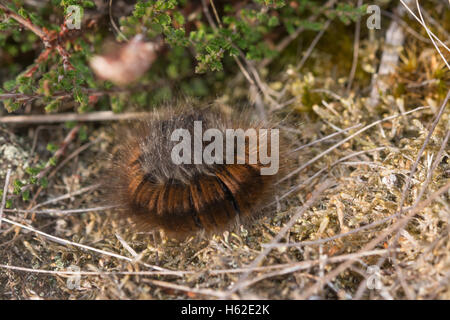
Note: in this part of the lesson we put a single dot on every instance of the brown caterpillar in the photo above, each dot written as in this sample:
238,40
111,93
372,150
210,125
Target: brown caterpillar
184,199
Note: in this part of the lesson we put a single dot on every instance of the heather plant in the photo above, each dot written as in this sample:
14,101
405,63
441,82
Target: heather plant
46,63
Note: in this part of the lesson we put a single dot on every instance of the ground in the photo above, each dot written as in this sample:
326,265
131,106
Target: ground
368,213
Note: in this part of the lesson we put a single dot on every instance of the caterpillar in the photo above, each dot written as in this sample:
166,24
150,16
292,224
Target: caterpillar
155,191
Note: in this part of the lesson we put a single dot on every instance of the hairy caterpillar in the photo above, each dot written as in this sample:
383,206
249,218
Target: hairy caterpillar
183,199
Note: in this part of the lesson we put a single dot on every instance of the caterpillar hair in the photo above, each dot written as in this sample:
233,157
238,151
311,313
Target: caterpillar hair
156,193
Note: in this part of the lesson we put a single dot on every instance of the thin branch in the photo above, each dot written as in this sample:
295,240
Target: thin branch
355,50
208,292
291,37
318,173
429,34
436,24
66,196
312,45
5,192
347,139
27,24
422,149
97,273
303,265
208,15
113,23
215,13
89,91
85,117
401,22
67,140
59,211
50,42
36,135
326,137
62,164
126,246
79,245
70,136
438,159
255,82
73,155
65,58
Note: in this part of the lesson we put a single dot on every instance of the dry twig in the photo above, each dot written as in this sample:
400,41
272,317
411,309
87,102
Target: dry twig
5,192
84,117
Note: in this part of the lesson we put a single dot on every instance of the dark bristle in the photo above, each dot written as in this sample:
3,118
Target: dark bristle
185,199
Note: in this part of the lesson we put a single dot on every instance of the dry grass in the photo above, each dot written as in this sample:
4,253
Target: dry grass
375,195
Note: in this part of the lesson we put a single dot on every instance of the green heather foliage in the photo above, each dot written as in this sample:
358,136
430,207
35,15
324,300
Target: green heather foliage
197,61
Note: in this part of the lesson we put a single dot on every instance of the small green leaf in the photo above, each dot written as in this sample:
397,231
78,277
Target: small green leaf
52,106
164,19
82,134
9,85
52,161
17,186
32,171
70,124
273,21
43,182
88,4
23,13
178,17
26,195
52,147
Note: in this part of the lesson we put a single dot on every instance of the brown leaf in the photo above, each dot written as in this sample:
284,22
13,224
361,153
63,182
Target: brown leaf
126,63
